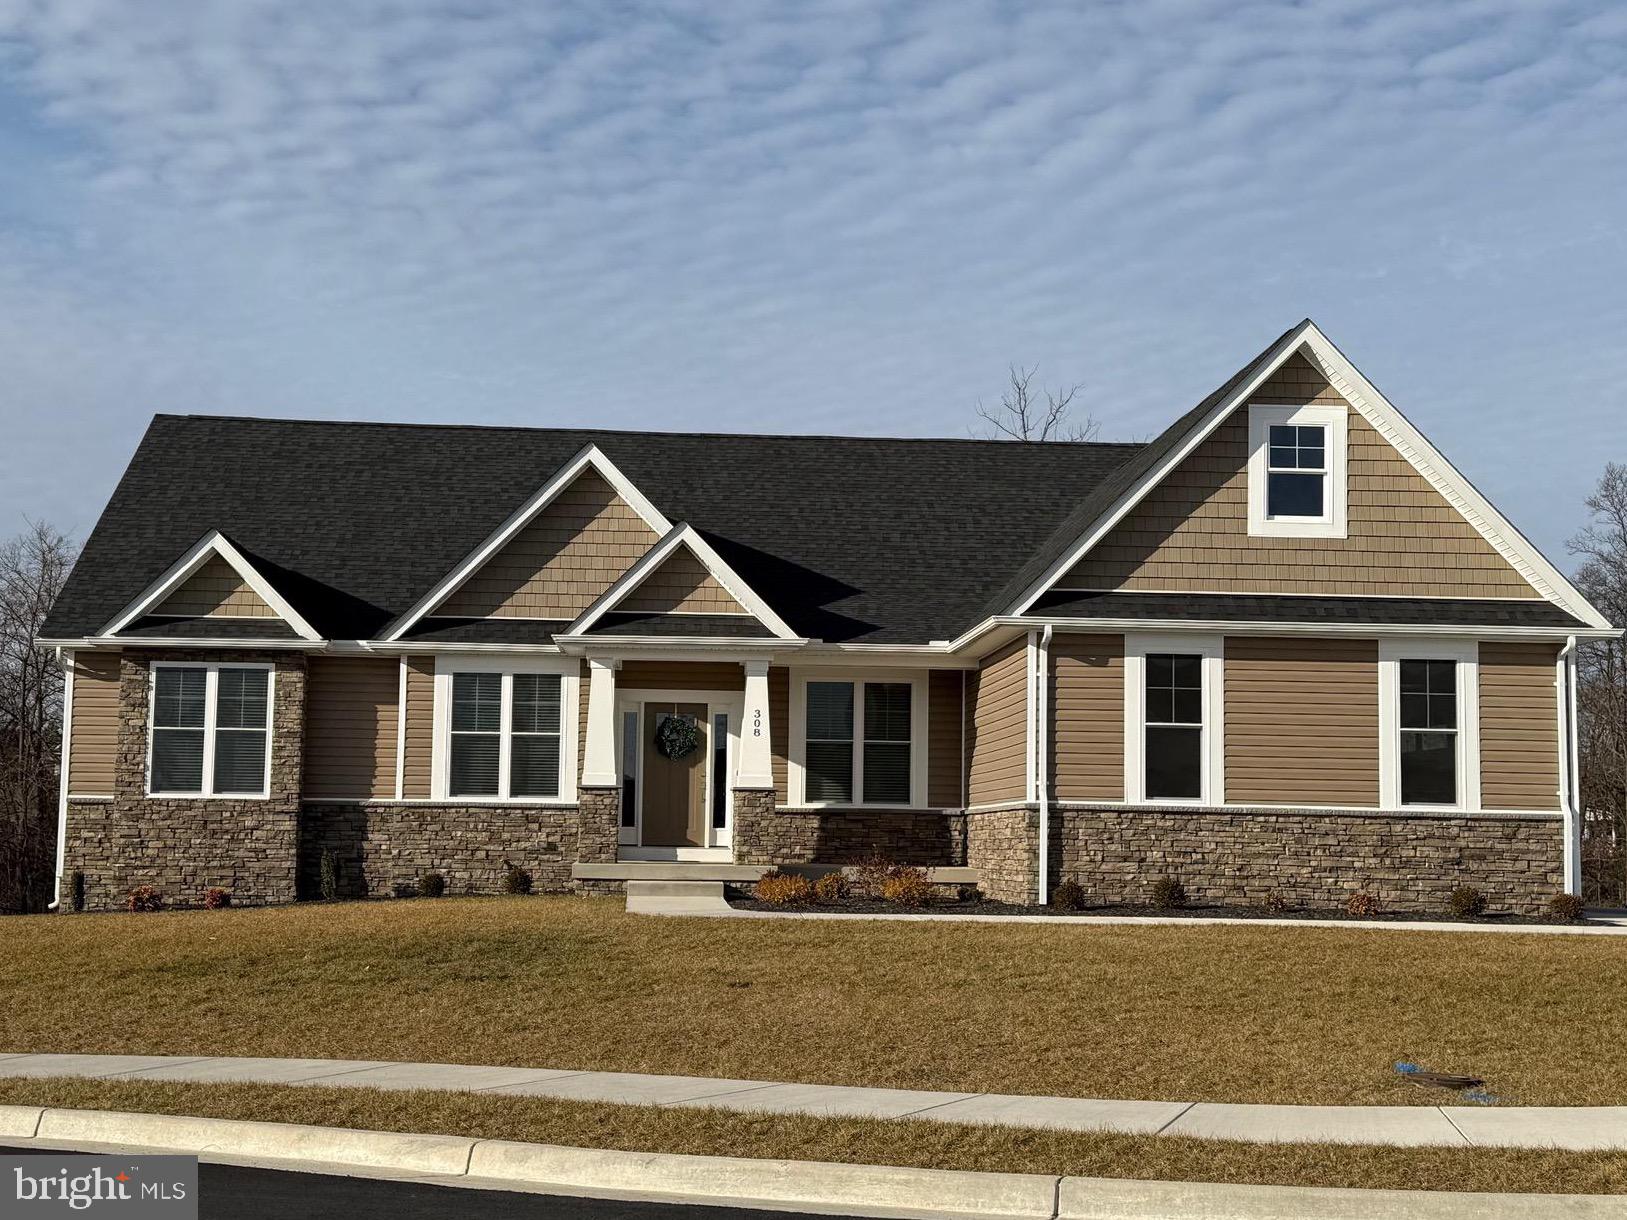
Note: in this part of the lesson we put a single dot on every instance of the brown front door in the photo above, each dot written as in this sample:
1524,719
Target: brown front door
674,788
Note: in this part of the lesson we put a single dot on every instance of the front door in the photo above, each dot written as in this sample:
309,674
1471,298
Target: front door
674,787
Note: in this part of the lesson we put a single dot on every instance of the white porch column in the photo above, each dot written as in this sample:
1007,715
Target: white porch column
756,759
599,756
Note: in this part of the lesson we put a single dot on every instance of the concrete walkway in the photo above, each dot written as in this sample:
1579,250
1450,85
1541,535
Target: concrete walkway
1583,1127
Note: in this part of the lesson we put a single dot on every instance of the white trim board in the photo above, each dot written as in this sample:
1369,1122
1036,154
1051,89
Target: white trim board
212,544
682,535
1388,421
523,516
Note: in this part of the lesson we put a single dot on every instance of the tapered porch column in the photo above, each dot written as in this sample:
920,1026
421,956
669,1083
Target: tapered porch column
756,761
599,756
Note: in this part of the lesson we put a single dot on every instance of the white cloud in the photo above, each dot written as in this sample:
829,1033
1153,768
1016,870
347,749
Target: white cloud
830,216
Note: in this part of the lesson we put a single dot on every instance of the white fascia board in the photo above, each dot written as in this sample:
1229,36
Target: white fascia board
522,516
684,535
213,543
1363,630
1134,494
1389,423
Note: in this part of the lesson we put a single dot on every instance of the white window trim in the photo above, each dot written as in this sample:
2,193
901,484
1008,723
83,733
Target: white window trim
1466,654
569,671
1334,521
211,686
796,765
1212,752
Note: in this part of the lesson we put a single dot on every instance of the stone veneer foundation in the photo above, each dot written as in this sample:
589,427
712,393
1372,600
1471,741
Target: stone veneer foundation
765,834
1003,845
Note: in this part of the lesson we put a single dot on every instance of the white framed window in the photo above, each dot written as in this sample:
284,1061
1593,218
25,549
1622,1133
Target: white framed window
209,729
1173,719
505,730
1429,724
1297,485
858,738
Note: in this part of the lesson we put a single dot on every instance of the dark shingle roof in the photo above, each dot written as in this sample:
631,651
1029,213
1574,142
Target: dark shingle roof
214,628
1272,608
726,626
848,538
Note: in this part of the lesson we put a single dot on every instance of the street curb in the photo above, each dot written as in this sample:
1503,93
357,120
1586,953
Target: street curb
870,1190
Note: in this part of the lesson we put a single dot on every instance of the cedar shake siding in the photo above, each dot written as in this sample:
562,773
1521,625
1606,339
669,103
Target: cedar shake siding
93,741
557,565
1087,717
214,590
351,716
1519,732
1190,533
1301,721
997,730
418,739
680,584
943,744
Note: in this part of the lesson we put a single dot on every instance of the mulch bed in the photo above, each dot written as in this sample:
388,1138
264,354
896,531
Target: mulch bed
742,900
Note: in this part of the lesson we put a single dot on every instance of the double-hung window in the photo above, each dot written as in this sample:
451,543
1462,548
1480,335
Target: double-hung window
860,742
505,734
211,730
1429,722
1296,471
1172,718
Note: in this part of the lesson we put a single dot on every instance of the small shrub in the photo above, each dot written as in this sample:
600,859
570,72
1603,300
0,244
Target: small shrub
1069,896
432,885
328,884
214,898
144,899
1274,904
830,888
515,879
1362,905
1567,908
76,889
1168,893
870,875
404,889
969,893
1466,902
784,889
908,887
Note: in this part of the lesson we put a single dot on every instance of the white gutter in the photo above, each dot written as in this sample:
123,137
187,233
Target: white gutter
65,661
1043,764
1570,769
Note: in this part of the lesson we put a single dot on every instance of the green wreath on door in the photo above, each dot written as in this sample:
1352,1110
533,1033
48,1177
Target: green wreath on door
677,737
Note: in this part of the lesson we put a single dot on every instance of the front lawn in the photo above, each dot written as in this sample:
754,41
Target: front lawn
1240,1014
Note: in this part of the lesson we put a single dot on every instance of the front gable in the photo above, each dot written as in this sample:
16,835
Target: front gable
215,590
680,584
1190,533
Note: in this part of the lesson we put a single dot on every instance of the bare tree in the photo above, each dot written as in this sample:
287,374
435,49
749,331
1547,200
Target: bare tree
33,566
1032,413
1602,694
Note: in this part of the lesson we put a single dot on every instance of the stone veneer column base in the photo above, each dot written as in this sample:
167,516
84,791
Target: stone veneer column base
1003,845
759,836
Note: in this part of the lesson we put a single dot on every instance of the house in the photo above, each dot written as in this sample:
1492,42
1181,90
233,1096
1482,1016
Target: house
1284,648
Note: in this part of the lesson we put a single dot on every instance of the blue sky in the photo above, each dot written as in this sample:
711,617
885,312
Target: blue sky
813,216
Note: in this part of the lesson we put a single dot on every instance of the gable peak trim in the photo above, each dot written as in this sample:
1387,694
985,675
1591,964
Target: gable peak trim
211,546
589,456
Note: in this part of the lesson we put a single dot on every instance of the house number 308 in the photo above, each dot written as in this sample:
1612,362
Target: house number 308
757,722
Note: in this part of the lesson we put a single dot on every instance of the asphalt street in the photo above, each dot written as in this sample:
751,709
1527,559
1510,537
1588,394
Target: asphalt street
233,1192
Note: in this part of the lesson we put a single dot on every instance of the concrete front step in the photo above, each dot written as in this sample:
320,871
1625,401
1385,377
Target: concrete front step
675,897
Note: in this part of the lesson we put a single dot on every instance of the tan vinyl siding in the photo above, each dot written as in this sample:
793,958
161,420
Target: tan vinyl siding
1519,733
943,761
680,584
997,742
215,589
779,728
1087,717
681,675
1301,721
93,736
556,566
350,727
420,734
1190,534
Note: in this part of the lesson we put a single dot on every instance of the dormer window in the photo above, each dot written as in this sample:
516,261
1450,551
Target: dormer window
1296,472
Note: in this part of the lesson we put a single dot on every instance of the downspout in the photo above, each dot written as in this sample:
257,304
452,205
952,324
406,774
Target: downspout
65,662
1570,777
1042,768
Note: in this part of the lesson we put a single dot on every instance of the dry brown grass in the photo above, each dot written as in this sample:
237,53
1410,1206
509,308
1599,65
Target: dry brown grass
1193,1013
866,1141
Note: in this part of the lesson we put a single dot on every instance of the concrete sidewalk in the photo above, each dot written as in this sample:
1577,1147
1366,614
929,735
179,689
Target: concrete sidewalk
1585,1128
